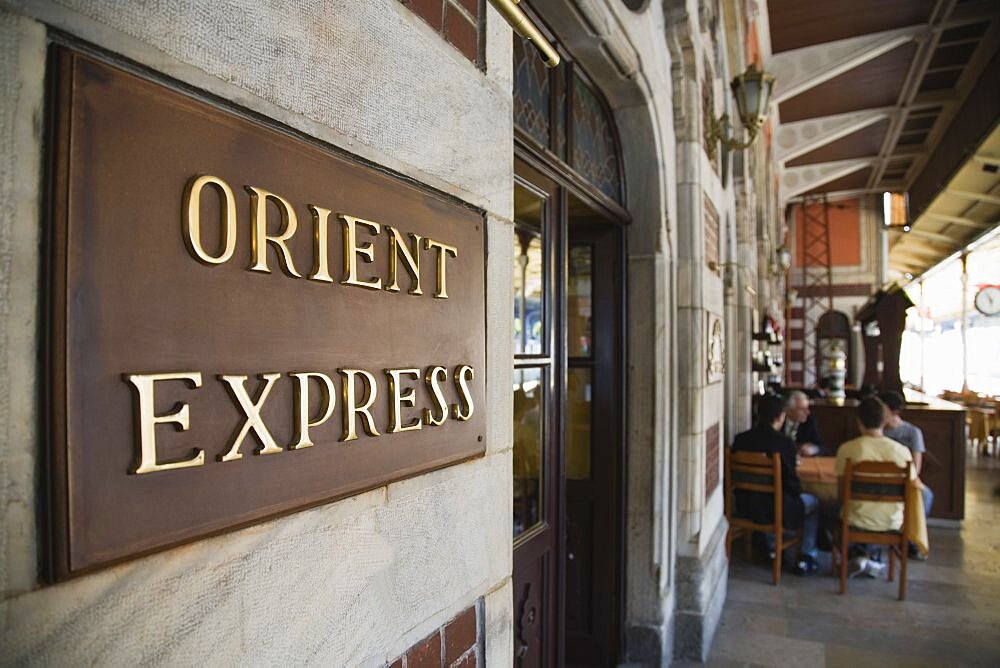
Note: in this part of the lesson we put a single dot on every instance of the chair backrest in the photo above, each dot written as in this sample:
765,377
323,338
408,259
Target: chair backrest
875,481
753,472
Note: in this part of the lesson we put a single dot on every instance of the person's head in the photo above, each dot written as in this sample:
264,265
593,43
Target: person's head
770,411
871,413
797,406
894,403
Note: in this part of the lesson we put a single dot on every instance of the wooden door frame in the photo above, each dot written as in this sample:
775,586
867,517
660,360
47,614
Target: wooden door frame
551,509
566,182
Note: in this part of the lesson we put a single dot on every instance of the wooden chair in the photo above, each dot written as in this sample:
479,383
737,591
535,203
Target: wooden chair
756,472
881,482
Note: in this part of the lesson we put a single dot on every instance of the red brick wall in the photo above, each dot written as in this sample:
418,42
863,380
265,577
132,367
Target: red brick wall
711,459
456,644
711,235
459,22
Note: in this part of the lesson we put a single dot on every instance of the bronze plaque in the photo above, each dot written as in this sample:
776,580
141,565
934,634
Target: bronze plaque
241,323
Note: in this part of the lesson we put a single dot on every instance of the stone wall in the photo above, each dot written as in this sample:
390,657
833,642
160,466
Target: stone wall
363,580
353,582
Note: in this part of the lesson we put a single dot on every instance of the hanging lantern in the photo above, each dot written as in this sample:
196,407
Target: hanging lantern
752,91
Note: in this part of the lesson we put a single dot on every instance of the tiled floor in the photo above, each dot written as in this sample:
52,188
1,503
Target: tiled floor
951,615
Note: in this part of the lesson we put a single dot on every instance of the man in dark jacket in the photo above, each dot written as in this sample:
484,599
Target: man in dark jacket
801,427
798,509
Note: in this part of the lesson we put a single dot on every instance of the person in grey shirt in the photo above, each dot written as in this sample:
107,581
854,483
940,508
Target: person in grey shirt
909,435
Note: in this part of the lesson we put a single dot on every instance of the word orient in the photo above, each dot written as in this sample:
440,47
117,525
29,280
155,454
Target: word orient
398,247
353,408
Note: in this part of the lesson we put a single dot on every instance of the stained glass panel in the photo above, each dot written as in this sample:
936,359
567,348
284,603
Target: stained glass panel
594,152
532,92
560,120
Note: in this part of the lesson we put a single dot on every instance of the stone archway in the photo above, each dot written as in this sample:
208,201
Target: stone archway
615,64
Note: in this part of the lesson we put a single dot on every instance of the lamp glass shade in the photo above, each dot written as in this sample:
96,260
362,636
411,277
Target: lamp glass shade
752,91
784,257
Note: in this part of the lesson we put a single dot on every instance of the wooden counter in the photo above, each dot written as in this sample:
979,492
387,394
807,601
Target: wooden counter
943,424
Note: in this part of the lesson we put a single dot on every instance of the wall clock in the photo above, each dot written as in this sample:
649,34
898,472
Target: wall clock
988,300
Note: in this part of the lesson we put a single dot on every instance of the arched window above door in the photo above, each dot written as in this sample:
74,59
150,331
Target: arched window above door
561,112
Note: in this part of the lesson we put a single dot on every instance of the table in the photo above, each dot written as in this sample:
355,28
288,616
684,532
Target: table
818,476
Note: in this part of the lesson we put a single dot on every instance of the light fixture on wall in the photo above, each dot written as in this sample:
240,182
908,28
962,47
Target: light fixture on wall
896,211
752,91
523,26
792,296
782,261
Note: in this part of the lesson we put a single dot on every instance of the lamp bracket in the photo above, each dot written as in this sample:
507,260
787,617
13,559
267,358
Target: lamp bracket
718,132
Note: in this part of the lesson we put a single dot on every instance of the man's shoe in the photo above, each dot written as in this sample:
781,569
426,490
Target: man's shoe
856,567
806,565
874,569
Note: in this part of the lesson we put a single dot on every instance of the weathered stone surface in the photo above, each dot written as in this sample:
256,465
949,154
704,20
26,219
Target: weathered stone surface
351,583
22,73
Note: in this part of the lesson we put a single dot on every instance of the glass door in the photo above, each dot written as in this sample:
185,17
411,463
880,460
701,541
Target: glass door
567,460
536,492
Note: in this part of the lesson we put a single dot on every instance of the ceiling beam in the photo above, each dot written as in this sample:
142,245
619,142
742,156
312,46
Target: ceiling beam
918,251
979,197
908,267
801,137
798,70
797,180
935,236
911,85
960,129
933,98
929,246
986,159
957,220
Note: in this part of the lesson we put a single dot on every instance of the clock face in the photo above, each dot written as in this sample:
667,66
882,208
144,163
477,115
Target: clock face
988,300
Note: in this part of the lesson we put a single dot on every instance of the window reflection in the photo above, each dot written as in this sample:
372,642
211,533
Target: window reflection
529,421
529,273
528,306
578,301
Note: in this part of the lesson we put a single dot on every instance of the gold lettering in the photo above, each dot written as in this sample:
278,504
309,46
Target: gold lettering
397,249
351,408
192,219
464,409
352,250
443,251
258,220
251,408
321,217
148,421
434,377
302,407
398,399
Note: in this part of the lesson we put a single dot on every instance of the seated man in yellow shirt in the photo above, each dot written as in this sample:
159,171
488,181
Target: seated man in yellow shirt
873,446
